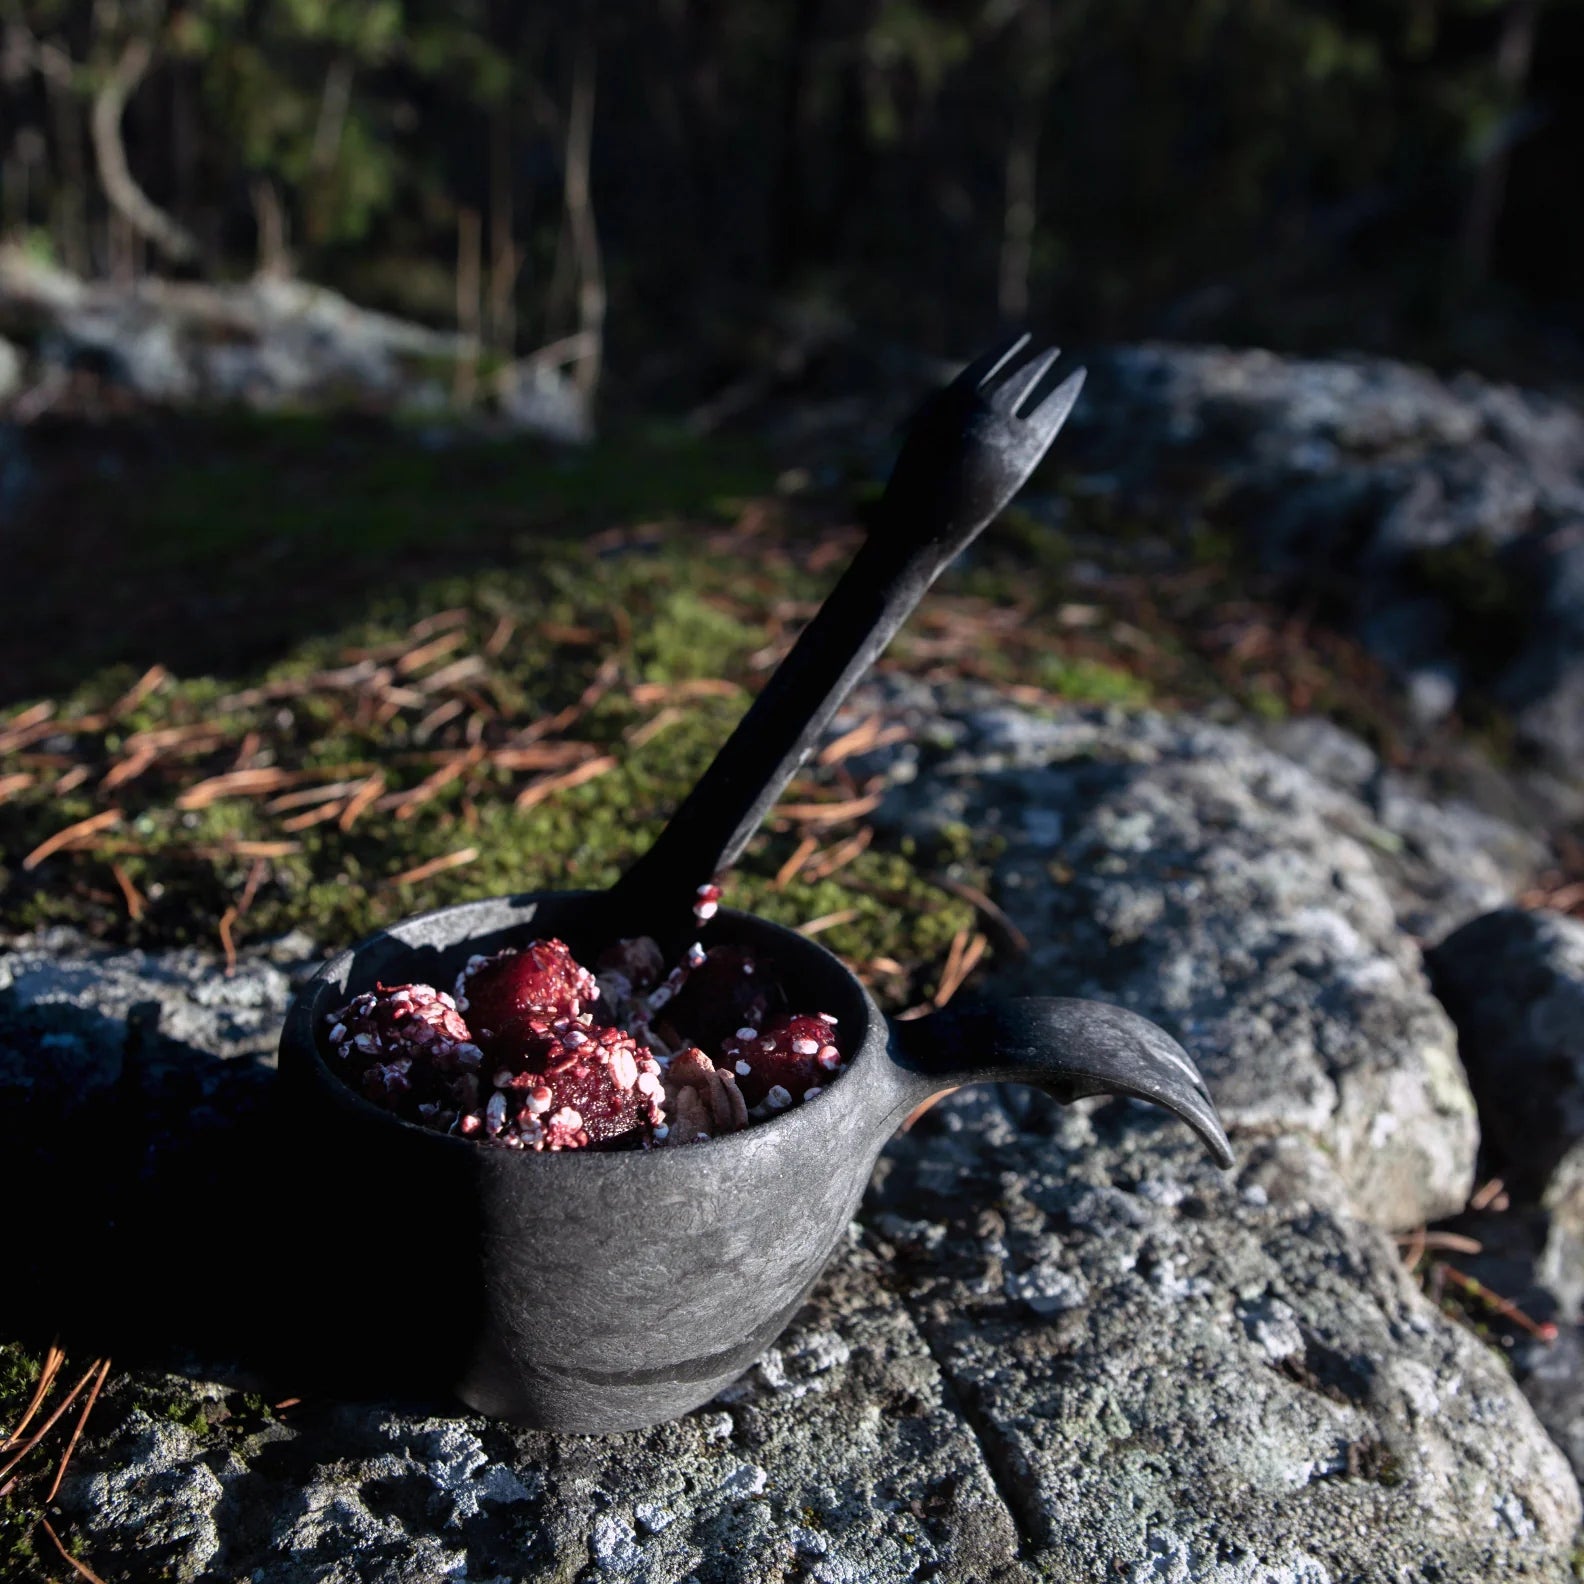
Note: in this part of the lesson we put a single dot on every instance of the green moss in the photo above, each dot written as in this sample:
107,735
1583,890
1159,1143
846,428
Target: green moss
1267,704
1090,681
19,1373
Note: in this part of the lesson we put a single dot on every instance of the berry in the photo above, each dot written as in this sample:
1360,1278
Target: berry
573,1085
507,995
780,1064
403,1044
729,990
637,960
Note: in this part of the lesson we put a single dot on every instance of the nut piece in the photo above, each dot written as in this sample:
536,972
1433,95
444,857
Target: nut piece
703,1099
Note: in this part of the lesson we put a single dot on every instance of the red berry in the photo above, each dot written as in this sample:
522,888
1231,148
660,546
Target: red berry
572,1085
791,1055
403,1045
729,990
637,960
505,995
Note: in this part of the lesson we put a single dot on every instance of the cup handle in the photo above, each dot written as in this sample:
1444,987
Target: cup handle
1068,1048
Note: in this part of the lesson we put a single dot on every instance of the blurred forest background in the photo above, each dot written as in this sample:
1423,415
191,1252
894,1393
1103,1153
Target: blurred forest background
659,191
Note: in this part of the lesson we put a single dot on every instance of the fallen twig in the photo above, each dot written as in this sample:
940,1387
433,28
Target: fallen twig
250,887
841,855
237,783
829,813
417,659
331,792
227,919
957,972
637,736
1013,939
1421,1239
863,738
364,798
462,670
405,804
825,921
311,817
542,755
643,694
440,621
502,635
128,768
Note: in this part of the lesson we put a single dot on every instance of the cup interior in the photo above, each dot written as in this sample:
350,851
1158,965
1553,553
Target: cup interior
433,948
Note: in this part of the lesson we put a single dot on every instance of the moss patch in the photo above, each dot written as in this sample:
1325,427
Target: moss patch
436,671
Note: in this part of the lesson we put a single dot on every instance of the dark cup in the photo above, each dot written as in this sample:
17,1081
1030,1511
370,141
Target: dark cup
597,1291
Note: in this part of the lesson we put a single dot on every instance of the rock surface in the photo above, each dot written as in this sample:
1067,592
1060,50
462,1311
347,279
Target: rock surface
267,343
1250,908
1514,981
1445,519
1057,1345
1056,1340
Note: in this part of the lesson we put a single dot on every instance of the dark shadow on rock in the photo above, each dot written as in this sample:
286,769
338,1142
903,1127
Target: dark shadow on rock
161,1212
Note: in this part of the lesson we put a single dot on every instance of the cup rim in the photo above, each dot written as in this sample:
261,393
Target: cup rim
301,1016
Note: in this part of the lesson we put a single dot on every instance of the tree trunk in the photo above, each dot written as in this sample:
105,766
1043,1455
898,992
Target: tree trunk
581,227
125,196
269,215
505,255
1514,56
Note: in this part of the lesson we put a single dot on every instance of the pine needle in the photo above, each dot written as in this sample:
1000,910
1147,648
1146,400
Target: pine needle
435,866
788,871
49,1424
76,1435
53,1360
81,1568
547,786
71,835
829,813
131,894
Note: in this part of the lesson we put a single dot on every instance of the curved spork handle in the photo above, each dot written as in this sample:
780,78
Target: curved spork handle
1068,1048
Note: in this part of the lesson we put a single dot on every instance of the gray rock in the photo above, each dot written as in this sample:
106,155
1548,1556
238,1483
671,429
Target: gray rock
1234,1386
1188,872
1553,1382
10,370
1560,1268
841,1456
1514,982
265,342
540,399
1443,859
225,1015
1056,1344
1446,514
